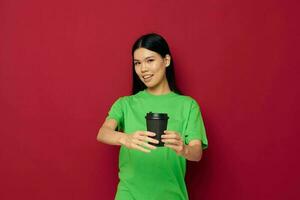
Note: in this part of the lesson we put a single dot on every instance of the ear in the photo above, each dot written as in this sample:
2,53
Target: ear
167,60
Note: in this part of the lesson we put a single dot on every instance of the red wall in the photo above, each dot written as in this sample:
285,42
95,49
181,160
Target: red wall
62,64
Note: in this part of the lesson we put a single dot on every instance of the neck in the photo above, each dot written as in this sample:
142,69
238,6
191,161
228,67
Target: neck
162,88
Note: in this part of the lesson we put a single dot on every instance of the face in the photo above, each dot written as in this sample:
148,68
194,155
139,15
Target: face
150,67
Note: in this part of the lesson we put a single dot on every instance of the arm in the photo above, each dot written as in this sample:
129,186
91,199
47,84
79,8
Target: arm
138,140
108,135
192,151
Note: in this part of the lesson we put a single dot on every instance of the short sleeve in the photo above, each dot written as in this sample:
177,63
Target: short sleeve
116,112
195,126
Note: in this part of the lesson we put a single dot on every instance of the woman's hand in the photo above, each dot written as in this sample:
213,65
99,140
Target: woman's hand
138,140
173,140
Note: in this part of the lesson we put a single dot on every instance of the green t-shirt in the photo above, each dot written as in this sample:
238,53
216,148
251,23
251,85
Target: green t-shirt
159,174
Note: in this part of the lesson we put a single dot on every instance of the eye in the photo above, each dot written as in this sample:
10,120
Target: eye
150,60
136,63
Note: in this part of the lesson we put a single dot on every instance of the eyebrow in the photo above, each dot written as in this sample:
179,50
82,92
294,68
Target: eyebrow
145,58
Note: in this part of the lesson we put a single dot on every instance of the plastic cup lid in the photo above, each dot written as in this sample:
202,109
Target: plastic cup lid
152,115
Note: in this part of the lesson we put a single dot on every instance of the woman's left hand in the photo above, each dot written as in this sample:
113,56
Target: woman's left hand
173,140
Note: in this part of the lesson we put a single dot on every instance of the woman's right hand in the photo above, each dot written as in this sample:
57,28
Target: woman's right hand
138,140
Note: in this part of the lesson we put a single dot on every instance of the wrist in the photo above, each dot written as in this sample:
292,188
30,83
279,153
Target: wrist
122,138
184,151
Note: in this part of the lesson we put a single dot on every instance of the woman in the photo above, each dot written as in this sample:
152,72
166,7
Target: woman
148,172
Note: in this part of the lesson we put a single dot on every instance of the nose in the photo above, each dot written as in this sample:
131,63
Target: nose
143,67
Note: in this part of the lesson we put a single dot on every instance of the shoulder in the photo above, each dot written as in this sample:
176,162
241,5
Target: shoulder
187,99
190,103
129,98
124,99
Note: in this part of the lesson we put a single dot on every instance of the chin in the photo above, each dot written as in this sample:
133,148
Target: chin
150,85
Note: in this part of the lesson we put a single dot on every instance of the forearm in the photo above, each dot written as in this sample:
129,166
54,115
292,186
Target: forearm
108,136
192,152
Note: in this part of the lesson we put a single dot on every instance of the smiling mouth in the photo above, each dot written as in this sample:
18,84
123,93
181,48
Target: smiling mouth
147,78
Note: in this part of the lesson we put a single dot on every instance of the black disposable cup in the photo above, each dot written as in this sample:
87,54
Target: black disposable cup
157,123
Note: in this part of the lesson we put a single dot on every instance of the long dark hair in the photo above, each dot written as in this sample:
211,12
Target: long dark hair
158,44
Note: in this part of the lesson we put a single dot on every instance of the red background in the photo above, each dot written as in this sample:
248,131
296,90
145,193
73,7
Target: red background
63,63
